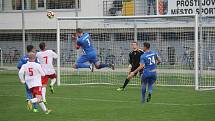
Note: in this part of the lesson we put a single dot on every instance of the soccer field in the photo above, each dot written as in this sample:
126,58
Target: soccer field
104,103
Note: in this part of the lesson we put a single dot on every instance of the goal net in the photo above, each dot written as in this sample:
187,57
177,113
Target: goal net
207,53
174,38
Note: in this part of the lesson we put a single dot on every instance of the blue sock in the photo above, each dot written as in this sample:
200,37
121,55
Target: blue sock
35,105
82,65
103,66
29,96
143,92
150,87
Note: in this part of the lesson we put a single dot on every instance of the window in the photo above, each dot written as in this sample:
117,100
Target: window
41,4
28,4
0,5
17,4
9,5
62,4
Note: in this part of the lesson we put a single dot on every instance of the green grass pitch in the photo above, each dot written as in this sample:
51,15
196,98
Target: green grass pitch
104,103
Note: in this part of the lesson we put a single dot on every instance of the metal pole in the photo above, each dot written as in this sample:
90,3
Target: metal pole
23,26
76,26
76,13
200,37
135,31
123,17
135,24
196,54
157,7
58,52
1,57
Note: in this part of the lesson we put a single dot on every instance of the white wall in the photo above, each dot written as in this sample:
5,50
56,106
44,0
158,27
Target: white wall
39,20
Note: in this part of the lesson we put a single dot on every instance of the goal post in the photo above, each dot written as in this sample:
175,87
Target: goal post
207,53
174,37
196,60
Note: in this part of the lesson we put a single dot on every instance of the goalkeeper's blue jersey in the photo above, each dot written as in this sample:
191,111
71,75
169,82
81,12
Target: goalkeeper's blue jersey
149,61
86,43
23,61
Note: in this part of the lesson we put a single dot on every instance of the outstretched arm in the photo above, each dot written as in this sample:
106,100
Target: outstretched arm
74,40
158,59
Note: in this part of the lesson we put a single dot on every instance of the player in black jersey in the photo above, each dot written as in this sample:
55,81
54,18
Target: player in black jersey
134,62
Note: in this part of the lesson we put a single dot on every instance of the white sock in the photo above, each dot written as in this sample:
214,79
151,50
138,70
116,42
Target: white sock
44,93
34,100
53,81
43,106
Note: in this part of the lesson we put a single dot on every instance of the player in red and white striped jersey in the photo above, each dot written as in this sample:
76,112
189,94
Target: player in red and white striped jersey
45,58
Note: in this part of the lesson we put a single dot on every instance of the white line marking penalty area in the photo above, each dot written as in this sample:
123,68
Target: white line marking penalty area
119,101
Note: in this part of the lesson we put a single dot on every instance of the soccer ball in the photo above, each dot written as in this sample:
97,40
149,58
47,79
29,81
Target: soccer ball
50,14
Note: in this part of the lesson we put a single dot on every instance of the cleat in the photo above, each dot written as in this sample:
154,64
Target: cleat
91,67
48,111
111,66
149,98
51,89
29,105
35,110
120,89
45,102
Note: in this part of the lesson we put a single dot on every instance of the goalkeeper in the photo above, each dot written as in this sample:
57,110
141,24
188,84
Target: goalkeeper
134,62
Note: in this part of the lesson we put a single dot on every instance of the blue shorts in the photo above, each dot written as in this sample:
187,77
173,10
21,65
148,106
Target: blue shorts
91,57
149,78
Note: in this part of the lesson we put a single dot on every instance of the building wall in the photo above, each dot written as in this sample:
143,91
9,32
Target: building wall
38,19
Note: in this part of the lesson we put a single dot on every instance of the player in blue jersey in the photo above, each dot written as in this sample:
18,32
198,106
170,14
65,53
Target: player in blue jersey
84,41
22,61
148,62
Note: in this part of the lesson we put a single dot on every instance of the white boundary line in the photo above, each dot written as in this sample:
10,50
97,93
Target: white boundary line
119,101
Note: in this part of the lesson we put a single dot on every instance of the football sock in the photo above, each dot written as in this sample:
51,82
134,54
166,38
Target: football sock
28,93
81,65
29,96
150,86
43,106
44,93
125,83
35,105
53,81
103,66
143,92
